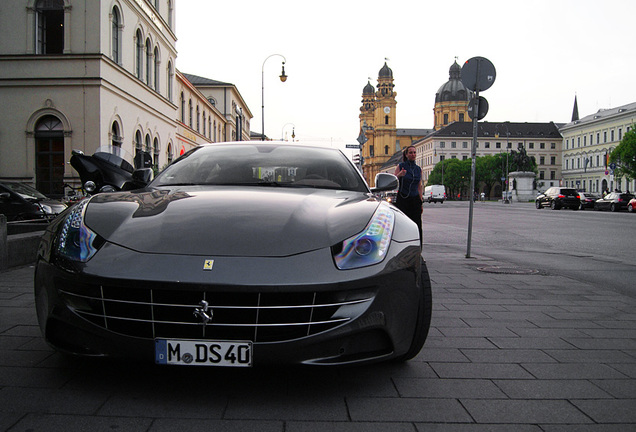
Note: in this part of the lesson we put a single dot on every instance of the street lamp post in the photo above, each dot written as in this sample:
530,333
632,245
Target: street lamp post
282,77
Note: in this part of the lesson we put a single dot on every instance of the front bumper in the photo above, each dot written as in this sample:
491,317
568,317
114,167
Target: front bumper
296,309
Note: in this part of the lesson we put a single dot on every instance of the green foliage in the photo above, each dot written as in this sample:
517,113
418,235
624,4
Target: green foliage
624,155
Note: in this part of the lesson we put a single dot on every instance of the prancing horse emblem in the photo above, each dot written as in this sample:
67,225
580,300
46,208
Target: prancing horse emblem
204,312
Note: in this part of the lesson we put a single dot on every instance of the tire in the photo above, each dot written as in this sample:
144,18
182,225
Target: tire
553,205
537,204
581,206
423,323
613,207
630,209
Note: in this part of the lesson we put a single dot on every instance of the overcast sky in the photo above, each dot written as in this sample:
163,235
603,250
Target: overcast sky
544,53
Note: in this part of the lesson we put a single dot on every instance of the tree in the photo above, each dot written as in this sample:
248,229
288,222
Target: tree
624,156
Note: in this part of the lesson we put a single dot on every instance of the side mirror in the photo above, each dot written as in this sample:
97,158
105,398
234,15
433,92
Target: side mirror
143,175
385,182
5,195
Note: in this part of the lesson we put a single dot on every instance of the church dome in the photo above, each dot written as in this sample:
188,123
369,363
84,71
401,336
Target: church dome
368,89
385,72
454,89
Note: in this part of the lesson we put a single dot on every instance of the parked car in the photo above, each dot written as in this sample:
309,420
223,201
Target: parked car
19,201
631,205
559,197
613,201
587,200
238,254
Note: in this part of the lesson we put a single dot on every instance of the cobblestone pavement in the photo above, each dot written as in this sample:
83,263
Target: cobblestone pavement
509,349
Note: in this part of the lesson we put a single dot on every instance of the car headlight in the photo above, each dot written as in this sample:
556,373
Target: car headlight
370,246
75,239
46,209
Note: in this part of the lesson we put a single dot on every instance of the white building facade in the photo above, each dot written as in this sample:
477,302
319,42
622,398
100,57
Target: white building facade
80,74
587,144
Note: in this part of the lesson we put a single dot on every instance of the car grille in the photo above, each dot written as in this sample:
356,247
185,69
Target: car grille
262,316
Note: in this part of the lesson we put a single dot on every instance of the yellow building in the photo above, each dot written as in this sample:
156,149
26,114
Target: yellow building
377,121
451,100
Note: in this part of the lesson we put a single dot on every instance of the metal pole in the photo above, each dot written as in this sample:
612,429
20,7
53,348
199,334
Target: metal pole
472,170
263,93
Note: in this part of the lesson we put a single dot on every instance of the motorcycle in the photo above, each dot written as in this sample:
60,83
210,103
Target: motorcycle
109,169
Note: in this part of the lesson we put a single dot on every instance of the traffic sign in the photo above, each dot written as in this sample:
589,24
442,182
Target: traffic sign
352,146
478,74
483,108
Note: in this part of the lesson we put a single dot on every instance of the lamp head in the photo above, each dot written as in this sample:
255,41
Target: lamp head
283,77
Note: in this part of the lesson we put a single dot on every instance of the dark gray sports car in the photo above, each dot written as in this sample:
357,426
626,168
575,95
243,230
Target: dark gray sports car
238,254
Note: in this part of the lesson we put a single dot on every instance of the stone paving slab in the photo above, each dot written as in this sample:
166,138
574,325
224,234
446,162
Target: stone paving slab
505,352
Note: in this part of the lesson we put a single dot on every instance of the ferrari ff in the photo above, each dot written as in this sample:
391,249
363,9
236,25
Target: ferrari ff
238,254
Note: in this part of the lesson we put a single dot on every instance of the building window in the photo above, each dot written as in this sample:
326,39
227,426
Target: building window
620,134
530,145
148,62
190,112
170,79
542,146
442,144
169,153
605,136
519,145
115,135
116,36
542,175
148,148
553,145
139,55
203,123
498,145
542,160
386,150
445,119
487,145
578,141
585,141
453,144
138,142
612,135
49,36
198,117
461,117
156,60
170,13
464,144
210,128
155,153
552,175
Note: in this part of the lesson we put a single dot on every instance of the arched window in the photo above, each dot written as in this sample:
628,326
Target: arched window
203,123
170,10
210,128
214,130
182,108
386,150
49,29
139,55
49,158
149,67
116,138
116,36
156,60
170,79
138,142
148,148
198,118
190,112
169,153
155,153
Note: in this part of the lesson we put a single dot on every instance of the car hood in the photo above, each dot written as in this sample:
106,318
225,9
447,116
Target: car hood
228,220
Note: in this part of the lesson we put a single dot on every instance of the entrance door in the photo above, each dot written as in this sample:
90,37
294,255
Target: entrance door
49,157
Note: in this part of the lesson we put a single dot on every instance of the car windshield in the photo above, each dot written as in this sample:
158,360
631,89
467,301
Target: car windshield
25,191
263,165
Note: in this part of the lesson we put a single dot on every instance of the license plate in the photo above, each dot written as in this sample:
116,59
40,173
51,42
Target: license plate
203,353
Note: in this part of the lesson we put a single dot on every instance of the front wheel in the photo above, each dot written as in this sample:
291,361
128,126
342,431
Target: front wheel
553,205
630,208
424,312
537,204
613,207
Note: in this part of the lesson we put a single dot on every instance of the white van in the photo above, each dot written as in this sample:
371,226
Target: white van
435,193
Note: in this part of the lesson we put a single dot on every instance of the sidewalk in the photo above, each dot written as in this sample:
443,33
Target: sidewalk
509,349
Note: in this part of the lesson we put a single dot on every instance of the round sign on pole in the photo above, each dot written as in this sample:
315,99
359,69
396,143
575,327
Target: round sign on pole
483,108
478,74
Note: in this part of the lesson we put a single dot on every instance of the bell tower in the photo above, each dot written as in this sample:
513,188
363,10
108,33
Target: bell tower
378,121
